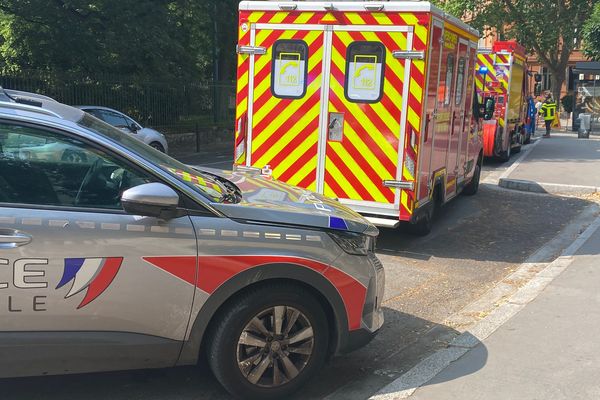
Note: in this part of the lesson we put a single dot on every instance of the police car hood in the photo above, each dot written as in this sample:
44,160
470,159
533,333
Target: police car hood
267,200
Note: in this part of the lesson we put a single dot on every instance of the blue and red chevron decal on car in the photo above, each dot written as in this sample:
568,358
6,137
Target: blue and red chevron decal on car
94,274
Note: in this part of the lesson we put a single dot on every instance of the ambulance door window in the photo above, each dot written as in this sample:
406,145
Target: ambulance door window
460,81
448,81
364,72
290,68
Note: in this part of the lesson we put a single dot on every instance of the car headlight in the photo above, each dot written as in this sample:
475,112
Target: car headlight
354,243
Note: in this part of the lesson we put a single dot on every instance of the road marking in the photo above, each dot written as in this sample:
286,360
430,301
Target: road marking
405,385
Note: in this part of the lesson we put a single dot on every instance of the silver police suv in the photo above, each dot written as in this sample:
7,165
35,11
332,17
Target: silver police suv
115,256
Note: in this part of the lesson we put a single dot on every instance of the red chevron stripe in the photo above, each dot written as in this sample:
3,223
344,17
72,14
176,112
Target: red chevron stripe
337,189
299,164
309,179
366,137
367,168
278,109
367,109
265,73
286,126
349,175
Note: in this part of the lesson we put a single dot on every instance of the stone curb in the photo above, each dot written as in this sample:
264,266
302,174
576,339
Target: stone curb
542,187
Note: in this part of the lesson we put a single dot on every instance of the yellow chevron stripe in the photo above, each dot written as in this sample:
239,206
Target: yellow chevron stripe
390,90
382,18
278,120
355,18
368,125
416,89
358,172
353,137
243,80
278,17
255,16
414,119
420,30
382,143
286,138
304,17
340,179
303,172
241,108
265,112
404,200
262,62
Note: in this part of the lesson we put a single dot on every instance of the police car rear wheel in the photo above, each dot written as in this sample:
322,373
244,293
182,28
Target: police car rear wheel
269,342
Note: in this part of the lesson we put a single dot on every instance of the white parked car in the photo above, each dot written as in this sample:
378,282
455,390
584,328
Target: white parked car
128,125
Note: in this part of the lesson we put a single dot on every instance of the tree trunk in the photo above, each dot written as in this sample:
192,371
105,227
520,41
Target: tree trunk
558,78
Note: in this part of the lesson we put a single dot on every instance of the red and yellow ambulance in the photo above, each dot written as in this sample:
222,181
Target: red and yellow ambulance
371,103
502,88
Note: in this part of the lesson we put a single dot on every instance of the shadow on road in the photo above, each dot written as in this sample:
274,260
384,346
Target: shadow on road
495,225
403,342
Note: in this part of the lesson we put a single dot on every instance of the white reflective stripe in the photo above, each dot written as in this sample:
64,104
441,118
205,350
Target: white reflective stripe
85,275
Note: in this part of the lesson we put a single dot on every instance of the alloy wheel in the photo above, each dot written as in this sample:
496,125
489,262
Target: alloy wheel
275,346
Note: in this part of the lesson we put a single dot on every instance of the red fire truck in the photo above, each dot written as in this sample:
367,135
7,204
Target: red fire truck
371,103
502,87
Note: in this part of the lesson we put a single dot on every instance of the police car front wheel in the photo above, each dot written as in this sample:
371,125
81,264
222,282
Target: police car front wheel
269,341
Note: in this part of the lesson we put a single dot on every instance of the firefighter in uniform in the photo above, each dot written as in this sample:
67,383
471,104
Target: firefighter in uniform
548,110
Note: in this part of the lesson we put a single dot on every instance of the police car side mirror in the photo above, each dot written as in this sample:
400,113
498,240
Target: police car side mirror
151,200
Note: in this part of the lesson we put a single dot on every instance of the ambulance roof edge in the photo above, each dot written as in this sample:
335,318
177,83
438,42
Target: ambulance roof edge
397,6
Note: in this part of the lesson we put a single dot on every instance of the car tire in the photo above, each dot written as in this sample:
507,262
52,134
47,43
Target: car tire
157,146
473,186
255,365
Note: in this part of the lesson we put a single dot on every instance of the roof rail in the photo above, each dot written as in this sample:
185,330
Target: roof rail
26,107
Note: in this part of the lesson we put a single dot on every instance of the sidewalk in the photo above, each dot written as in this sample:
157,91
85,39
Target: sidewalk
549,350
559,164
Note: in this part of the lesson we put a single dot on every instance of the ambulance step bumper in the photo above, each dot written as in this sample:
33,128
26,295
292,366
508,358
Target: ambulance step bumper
384,222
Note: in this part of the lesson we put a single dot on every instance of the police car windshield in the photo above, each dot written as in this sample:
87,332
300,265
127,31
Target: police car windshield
202,183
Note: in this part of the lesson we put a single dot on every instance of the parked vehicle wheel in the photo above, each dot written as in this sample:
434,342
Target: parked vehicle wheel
268,342
424,224
505,155
527,138
473,186
157,146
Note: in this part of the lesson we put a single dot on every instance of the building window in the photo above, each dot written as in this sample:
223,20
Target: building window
546,79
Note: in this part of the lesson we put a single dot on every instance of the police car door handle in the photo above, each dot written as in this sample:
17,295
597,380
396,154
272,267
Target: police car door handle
13,239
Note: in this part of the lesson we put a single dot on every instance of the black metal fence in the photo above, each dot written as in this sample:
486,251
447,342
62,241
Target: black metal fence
170,106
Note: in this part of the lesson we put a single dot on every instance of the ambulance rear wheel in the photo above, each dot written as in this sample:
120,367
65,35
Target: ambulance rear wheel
424,224
505,155
268,342
473,186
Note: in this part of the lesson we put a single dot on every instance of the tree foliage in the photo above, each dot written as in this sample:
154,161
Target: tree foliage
149,39
591,35
548,28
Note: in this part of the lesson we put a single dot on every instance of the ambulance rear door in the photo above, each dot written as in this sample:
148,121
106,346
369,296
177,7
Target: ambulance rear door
363,136
284,97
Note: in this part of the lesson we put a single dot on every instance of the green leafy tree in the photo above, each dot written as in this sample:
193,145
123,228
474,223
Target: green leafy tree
591,35
149,39
549,28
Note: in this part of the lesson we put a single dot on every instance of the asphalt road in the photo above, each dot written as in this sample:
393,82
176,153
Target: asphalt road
476,242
